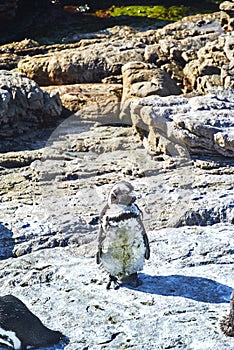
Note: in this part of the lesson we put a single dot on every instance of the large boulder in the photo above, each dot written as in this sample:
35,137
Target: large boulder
23,105
91,62
177,125
140,80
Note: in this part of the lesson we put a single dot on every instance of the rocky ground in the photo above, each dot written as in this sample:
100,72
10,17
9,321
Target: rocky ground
49,208
62,149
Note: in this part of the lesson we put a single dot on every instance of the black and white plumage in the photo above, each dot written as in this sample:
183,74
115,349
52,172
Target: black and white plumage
227,324
123,243
20,328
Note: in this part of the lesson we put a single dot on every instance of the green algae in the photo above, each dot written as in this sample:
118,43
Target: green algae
173,13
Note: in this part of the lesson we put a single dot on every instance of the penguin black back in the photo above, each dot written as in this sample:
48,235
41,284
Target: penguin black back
16,317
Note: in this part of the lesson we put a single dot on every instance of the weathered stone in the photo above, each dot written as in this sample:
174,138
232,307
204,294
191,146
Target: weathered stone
227,76
50,202
141,80
90,65
51,198
228,7
100,102
205,72
24,105
175,125
183,296
229,48
227,14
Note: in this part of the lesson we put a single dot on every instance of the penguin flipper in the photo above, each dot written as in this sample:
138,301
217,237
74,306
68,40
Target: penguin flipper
147,248
98,256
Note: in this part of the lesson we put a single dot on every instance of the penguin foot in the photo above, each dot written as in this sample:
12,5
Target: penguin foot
114,280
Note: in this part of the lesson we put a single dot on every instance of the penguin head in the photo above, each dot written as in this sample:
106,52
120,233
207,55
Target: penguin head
122,193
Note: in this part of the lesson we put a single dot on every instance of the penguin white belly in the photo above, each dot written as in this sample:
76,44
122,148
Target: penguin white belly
9,339
123,250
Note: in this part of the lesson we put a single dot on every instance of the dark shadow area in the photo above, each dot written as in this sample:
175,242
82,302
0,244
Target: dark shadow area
95,5
55,23
60,346
191,287
7,243
35,139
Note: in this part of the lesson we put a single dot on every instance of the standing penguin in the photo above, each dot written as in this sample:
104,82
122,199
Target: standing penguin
123,244
20,328
227,324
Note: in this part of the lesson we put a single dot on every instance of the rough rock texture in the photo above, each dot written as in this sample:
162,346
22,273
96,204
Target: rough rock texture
195,52
10,53
90,98
173,125
227,15
141,80
23,105
91,62
50,201
52,190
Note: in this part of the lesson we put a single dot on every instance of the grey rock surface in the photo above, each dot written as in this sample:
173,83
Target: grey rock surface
204,124
140,80
23,105
50,201
179,157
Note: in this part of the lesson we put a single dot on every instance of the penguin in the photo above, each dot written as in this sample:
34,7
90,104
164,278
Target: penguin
123,243
227,324
20,328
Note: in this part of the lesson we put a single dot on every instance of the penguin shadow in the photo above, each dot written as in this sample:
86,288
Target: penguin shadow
60,346
7,243
55,347
191,287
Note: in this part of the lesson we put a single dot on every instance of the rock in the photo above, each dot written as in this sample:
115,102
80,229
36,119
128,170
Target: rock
90,65
141,80
50,200
227,15
178,155
189,52
100,102
228,7
176,125
183,295
205,72
24,105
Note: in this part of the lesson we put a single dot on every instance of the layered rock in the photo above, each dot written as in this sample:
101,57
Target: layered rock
88,63
50,201
100,102
141,80
24,105
176,125
195,52
227,324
